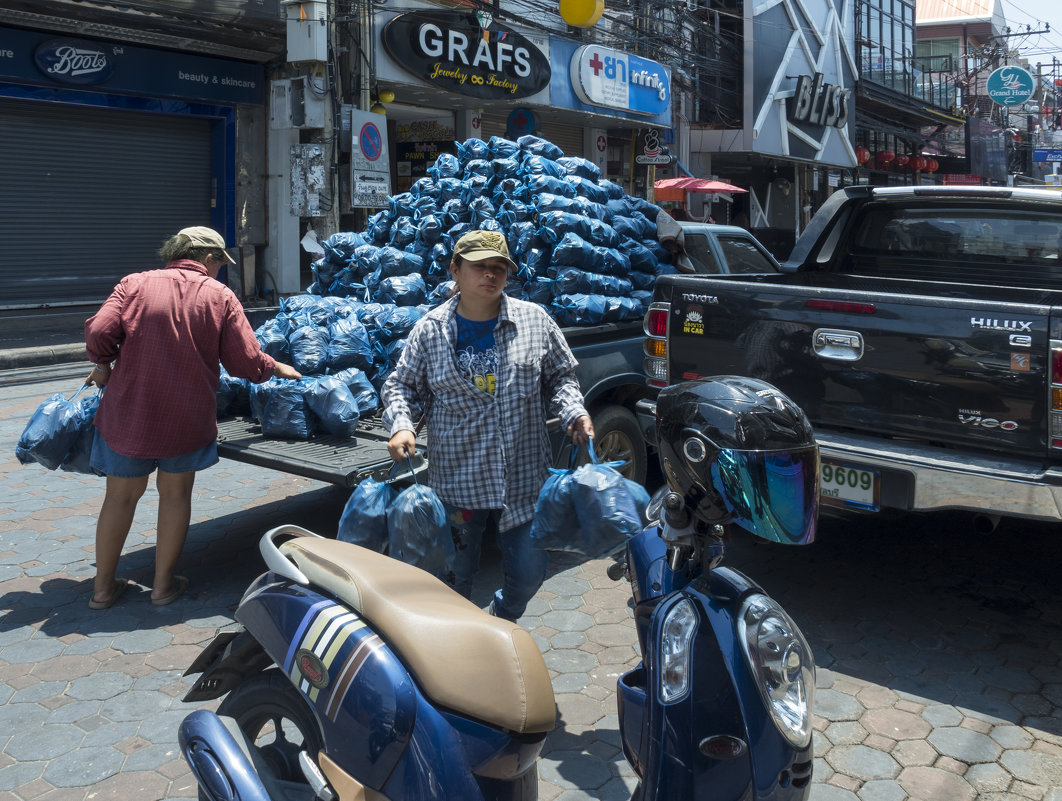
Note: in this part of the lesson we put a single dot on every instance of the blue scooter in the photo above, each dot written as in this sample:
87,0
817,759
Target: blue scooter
355,676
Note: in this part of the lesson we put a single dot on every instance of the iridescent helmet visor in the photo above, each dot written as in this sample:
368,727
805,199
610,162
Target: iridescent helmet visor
772,494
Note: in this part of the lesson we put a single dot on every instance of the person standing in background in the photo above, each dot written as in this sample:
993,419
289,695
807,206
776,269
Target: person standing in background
156,344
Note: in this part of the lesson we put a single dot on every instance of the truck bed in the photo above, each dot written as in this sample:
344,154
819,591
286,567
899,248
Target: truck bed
336,460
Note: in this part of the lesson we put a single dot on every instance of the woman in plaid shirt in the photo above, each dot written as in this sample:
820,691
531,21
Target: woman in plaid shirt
479,369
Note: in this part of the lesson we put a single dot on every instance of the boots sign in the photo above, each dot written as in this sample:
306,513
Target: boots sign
819,103
467,53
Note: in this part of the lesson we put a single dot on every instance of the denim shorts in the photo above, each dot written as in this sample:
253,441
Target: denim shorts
106,462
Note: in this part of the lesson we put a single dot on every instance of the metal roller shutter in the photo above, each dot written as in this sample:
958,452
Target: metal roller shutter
89,195
568,138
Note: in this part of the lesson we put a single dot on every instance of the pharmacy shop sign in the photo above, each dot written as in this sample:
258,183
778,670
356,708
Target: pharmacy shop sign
467,53
604,77
1010,86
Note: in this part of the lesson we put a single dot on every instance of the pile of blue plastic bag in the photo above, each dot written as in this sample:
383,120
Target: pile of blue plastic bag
585,251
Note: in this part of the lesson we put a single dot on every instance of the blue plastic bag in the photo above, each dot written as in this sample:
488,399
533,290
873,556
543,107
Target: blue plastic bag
331,400
273,337
572,280
537,146
403,290
555,526
472,149
79,458
364,518
285,413
349,345
361,387
309,349
418,531
607,511
54,428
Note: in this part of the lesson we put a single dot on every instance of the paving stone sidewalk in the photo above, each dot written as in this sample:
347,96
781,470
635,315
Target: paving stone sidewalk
940,655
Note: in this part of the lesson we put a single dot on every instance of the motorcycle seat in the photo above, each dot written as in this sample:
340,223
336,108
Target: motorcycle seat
465,660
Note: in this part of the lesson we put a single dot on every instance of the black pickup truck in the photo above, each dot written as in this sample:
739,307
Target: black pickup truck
610,375
921,330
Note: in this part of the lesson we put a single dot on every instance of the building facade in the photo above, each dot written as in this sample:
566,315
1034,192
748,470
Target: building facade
119,128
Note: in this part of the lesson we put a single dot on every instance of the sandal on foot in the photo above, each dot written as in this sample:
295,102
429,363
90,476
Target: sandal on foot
180,584
120,586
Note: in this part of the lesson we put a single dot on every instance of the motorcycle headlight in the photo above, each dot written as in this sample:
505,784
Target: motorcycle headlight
676,634
782,664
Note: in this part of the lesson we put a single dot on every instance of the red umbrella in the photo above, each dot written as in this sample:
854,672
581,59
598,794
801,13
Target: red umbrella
696,185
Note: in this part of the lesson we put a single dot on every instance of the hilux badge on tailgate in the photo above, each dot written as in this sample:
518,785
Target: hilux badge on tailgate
992,324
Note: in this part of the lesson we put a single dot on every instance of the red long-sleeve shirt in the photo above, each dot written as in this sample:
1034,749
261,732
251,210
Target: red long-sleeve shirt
166,330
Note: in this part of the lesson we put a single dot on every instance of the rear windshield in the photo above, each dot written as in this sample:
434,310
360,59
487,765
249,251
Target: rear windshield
942,242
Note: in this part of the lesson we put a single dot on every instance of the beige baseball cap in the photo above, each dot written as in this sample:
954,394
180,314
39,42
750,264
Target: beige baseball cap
202,237
480,245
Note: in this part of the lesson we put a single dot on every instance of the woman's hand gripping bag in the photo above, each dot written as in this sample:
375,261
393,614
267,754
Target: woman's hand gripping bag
607,509
364,518
556,524
418,531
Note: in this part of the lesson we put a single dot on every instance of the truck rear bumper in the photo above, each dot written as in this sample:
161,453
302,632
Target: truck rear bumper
942,478
919,477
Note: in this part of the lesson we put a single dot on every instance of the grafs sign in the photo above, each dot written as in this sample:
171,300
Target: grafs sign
466,53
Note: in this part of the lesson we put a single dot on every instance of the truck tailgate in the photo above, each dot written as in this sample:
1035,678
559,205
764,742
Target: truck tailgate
953,371
340,461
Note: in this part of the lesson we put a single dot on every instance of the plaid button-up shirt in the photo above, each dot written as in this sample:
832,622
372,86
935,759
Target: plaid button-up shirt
486,451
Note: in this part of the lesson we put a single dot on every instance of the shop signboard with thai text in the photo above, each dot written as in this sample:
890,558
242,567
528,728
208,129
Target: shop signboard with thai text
604,77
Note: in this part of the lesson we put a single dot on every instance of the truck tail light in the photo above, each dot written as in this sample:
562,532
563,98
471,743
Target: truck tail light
655,327
1055,412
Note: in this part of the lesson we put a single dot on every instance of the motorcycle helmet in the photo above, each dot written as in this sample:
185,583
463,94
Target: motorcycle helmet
738,450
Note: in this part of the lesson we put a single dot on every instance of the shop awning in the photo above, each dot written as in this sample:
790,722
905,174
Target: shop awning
697,185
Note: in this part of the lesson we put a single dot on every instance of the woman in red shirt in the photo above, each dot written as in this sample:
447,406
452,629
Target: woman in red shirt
165,332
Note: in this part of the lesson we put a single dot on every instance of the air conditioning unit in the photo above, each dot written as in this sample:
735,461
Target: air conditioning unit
294,104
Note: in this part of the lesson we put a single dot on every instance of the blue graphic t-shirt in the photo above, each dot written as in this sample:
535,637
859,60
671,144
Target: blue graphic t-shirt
477,358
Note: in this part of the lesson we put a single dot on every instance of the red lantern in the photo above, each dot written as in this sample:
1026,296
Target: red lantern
1058,81
862,155
918,163
885,156
902,159
933,165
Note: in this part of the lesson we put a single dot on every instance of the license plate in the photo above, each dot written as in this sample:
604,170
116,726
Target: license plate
844,485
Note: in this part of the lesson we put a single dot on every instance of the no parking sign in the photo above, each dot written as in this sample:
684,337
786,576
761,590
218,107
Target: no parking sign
370,166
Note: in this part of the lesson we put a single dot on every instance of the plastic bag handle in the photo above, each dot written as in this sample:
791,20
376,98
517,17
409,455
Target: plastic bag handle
409,464
573,454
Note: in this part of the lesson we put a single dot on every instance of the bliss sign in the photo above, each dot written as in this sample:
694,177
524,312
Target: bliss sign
74,62
604,77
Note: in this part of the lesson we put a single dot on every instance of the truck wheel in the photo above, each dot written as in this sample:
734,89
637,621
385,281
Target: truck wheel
618,438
